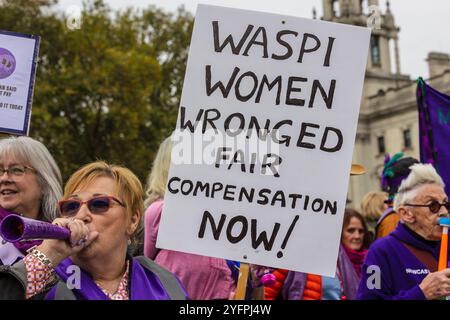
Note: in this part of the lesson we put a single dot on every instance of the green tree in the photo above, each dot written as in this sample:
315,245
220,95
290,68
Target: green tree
109,90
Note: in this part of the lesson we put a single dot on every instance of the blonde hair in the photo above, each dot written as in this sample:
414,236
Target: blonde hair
33,153
128,187
372,204
420,175
157,179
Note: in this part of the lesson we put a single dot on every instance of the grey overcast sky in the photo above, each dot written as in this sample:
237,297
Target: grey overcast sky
424,25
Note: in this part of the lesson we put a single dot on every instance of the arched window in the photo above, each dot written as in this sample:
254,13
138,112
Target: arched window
364,7
381,145
336,8
407,141
375,50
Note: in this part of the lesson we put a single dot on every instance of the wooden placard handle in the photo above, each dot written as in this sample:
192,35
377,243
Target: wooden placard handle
242,282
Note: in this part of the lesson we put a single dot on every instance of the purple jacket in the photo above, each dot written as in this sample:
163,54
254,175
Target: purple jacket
295,282
400,271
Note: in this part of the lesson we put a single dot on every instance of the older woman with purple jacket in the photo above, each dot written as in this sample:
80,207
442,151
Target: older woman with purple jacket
102,208
403,265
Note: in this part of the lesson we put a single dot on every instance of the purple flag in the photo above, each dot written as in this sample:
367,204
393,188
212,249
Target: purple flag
434,129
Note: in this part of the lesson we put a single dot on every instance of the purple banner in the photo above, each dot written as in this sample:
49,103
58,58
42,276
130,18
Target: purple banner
434,129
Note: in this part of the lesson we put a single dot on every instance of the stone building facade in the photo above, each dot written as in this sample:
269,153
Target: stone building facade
388,120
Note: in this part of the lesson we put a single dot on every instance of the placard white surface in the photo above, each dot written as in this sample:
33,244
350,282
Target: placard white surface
18,54
301,209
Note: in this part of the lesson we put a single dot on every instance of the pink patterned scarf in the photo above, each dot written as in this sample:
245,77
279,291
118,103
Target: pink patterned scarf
357,258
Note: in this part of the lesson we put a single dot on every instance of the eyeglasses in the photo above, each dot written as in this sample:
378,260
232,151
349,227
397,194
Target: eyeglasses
434,206
15,171
95,205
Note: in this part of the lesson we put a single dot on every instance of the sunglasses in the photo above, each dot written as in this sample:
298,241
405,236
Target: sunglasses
434,206
101,204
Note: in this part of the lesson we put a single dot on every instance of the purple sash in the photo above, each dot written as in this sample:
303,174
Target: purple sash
143,284
22,246
387,212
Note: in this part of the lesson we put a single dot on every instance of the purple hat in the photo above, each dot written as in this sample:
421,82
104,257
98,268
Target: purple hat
395,170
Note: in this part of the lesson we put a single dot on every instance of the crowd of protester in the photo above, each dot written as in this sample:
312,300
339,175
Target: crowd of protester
389,246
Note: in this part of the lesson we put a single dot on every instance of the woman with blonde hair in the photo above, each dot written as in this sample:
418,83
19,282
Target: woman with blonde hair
102,207
205,278
157,179
373,204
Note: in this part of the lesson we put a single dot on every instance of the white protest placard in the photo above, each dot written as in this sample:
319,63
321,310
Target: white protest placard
277,202
18,55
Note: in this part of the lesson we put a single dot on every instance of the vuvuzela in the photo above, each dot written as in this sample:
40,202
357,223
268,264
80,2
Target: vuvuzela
16,228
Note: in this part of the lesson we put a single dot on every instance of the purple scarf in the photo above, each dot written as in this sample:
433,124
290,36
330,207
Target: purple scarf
143,284
22,246
356,258
385,214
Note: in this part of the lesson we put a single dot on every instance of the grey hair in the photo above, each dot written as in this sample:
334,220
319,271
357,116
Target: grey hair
420,174
36,155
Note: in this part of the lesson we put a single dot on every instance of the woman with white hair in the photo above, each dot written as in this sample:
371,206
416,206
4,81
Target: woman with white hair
403,265
30,185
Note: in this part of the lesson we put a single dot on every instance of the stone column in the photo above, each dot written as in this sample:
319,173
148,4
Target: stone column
356,7
327,9
438,62
385,54
397,56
